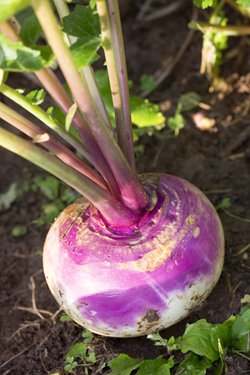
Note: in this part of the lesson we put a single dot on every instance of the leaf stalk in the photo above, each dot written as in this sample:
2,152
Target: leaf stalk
114,212
113,46
132,192
49,142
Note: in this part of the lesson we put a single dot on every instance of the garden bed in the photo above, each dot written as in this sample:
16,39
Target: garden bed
216,161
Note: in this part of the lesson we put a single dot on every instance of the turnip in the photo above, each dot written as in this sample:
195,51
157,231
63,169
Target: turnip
135,254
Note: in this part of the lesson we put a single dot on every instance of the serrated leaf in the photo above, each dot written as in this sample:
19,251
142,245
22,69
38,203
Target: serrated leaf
197,339
123,365
70,115
10,7
77,350
70,367
91,357
82,22
16,57
30,29
84,51
144,113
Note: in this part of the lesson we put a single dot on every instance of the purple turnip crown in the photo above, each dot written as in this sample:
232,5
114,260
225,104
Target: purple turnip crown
136,280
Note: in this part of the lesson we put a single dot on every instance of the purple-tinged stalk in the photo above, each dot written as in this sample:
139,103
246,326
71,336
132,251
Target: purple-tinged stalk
113,46
54,87
111,209
40,114
132,193
94,155
87,71
49,142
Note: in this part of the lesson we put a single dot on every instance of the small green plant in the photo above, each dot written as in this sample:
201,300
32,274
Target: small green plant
204,345
56,197
216,32
81,354
187,102
19,231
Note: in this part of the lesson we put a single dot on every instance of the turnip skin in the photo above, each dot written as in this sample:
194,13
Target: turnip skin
125,283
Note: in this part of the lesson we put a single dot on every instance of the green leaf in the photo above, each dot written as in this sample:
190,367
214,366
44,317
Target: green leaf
224,203
243,3
48,185
65,318
36,97
50,211
9,197
197,339
145,114
10,7
30,29
46,54
221,335
176,123
14,56
158,366
70,116
18,231
71,365
205,3
194,365
91,357
77,350
88,336
147,83
82,22
68,195
241,330
92,4
85,50
189,101
123,365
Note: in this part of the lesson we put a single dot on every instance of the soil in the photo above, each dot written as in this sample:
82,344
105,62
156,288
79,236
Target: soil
35,341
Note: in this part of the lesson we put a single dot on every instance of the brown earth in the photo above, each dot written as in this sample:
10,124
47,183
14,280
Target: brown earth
217,161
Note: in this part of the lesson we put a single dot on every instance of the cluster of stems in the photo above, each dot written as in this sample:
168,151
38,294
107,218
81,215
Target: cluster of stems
105,171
